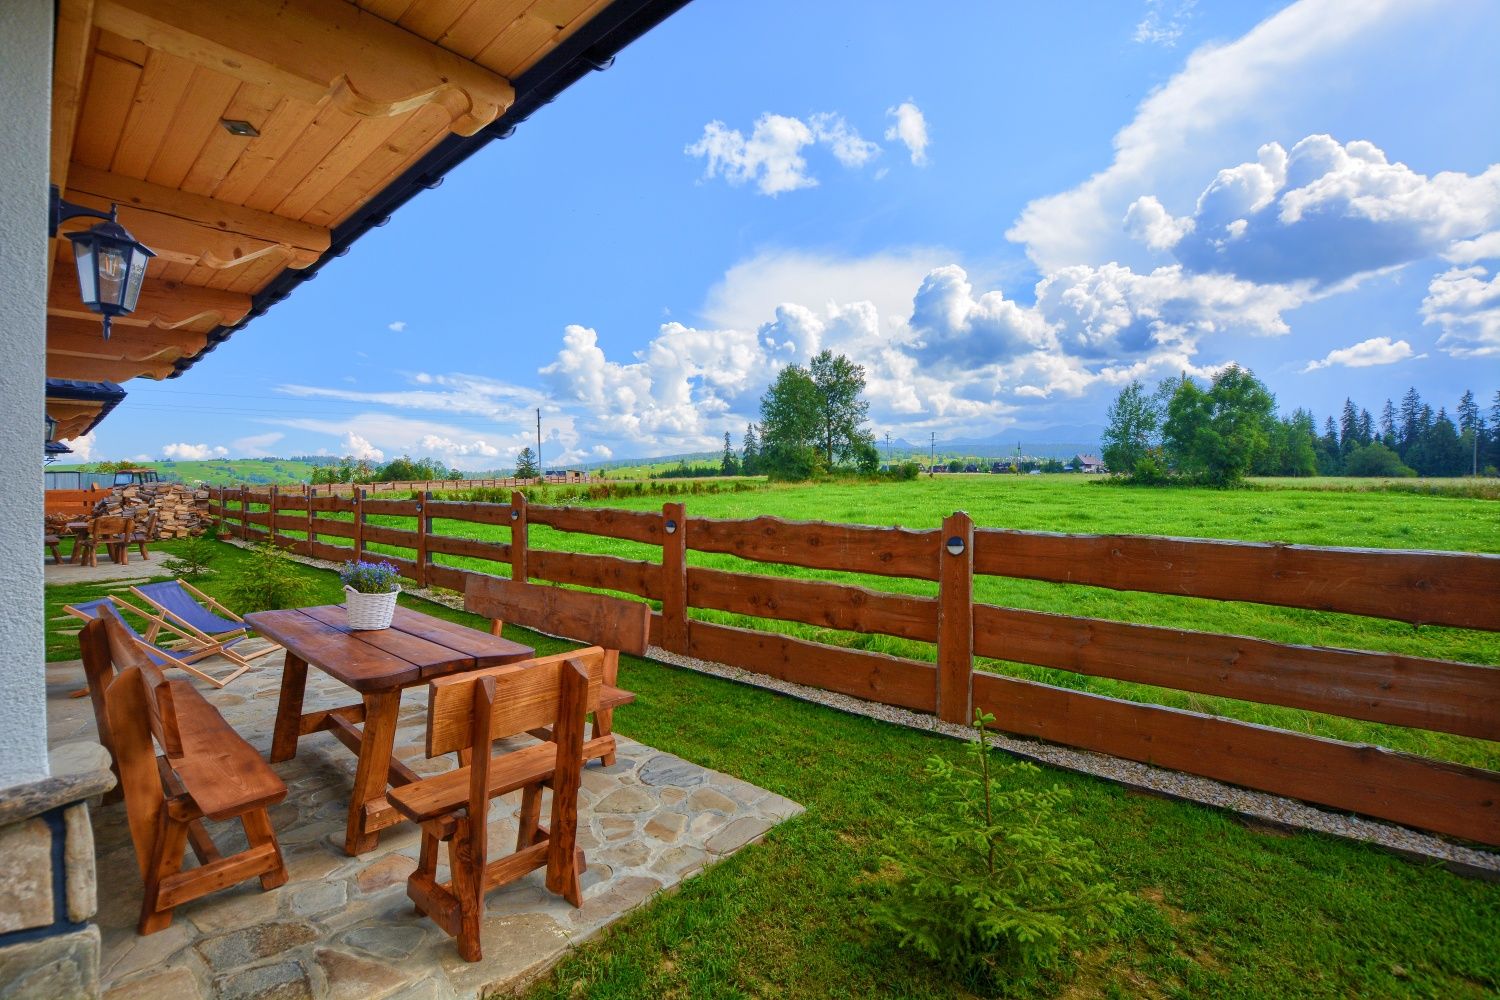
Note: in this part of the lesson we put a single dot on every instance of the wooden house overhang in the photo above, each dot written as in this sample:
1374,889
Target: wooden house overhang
78,406
248,143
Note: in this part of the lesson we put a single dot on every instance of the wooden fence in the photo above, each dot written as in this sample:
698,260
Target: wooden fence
425,485
1422,588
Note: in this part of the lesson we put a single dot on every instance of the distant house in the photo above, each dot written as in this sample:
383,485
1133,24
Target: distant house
999,467
1089,463
971,467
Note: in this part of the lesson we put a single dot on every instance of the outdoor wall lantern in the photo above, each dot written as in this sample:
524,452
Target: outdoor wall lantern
955,546
51,429
111,262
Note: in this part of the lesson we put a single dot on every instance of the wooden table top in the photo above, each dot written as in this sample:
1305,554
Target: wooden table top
415,648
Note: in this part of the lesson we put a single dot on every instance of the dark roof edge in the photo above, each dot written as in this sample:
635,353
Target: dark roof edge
109,394
592,47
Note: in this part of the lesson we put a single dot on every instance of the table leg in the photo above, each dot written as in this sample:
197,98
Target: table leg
289,708
373,773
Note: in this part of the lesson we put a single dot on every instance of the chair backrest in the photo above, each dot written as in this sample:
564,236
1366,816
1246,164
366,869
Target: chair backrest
598,619
109,525
526,698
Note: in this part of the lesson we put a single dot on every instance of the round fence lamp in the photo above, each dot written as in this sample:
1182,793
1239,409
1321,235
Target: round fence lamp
111,268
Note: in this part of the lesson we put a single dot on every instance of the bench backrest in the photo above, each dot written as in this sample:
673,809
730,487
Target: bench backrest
526,698
597,619
110,526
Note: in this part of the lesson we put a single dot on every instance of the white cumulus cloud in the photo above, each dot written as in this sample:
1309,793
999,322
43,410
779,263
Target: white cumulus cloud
1465,303
359,448
1365,354
772,156
843,140
1164,22
81,446
1153,225
399,326
184,452
909,127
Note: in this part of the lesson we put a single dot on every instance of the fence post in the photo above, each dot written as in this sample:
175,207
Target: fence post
955,646
674,624
519,564
271,520
359,523
244,513
311,534
424,525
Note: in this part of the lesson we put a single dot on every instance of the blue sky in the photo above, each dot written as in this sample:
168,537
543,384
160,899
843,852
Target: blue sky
1004,211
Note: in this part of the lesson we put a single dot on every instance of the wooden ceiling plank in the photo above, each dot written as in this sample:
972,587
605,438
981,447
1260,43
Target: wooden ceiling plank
325,134
125,49
363,140
431,18
163,87
517,42
585,13
111,85
166,304
279,134
316,49
197,122
389,10
480,25
208,212
218,155
84,338
421,133
74,33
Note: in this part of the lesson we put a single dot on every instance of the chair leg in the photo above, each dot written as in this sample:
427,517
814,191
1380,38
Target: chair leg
529,821
468,887
166,861
258,831
604,725
427,862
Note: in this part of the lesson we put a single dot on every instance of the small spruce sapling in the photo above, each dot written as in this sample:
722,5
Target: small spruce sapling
990,874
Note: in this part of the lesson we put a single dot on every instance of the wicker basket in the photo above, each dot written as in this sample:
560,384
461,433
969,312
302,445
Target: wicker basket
368,612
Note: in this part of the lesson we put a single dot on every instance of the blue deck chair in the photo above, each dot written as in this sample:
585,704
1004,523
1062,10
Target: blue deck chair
180,606
190,652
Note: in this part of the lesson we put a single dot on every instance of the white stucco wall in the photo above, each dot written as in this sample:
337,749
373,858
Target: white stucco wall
25,107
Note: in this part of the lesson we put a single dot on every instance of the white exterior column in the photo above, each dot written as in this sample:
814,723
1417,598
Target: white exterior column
25,127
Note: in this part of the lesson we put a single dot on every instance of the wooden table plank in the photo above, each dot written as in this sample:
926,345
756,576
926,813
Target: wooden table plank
360,665
427,656
487,650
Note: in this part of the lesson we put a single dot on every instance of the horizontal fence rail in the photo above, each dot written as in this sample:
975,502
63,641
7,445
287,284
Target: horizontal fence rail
1451,589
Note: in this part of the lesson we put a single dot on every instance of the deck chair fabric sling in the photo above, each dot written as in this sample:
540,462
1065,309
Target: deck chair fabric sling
159,656
468,712
180,605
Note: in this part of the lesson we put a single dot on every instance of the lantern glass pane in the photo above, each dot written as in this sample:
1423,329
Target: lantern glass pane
83,254
112,273
138,261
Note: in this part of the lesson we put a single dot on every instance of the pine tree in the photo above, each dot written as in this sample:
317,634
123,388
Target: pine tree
1348,428
1468,412
1388,425
1366,427
750,451
729,464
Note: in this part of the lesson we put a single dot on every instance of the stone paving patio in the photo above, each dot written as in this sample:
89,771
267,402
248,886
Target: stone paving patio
342,927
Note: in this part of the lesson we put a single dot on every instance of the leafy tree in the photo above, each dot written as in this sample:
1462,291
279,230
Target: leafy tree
954,465
750,451
842,409
1215,436
729,464
1375,459
791,423
1133,419
526,467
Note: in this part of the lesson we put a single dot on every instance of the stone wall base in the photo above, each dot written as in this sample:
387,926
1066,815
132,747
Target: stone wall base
60,967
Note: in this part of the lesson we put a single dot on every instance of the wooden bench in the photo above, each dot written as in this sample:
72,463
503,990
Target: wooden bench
466,713
617,625
204,770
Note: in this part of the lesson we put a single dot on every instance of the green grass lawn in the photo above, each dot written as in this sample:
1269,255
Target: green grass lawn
1314,516
1217,909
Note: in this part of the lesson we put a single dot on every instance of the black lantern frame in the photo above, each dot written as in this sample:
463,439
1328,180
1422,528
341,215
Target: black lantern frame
111,262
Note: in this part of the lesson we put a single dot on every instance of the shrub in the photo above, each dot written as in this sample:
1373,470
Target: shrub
270,580
192,557
989,875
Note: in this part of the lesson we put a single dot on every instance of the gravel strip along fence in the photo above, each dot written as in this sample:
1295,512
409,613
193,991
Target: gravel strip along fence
1257,808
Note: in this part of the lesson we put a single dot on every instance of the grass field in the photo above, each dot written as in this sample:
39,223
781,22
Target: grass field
1218,909
1071,503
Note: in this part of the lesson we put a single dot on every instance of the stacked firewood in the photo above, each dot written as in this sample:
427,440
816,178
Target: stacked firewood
180,510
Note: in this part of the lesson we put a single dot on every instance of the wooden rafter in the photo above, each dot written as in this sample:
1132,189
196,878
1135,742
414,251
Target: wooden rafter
75,22
317,49
84,339
100,370
165,304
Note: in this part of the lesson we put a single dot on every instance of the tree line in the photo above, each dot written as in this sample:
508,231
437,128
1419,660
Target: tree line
1219,433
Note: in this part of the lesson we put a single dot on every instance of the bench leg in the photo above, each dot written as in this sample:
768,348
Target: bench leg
604,725
427,862
289,708
258,831
166,861
529,821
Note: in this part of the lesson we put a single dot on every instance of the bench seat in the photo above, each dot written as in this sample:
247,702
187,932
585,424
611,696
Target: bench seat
222,773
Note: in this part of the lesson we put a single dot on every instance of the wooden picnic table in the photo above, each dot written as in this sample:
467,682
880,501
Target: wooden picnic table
379,665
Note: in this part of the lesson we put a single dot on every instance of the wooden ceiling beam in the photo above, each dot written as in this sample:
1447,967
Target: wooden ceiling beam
83,339
191,229
316,49
100,370
70,60
166,304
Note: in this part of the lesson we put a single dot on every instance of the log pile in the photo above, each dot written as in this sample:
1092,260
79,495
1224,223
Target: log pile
180,510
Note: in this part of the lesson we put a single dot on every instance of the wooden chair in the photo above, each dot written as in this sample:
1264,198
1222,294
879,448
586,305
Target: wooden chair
205,770
110,530
467,712
143,532
615,624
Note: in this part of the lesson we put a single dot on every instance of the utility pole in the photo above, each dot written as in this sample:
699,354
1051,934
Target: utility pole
931,450
887,447
541,473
